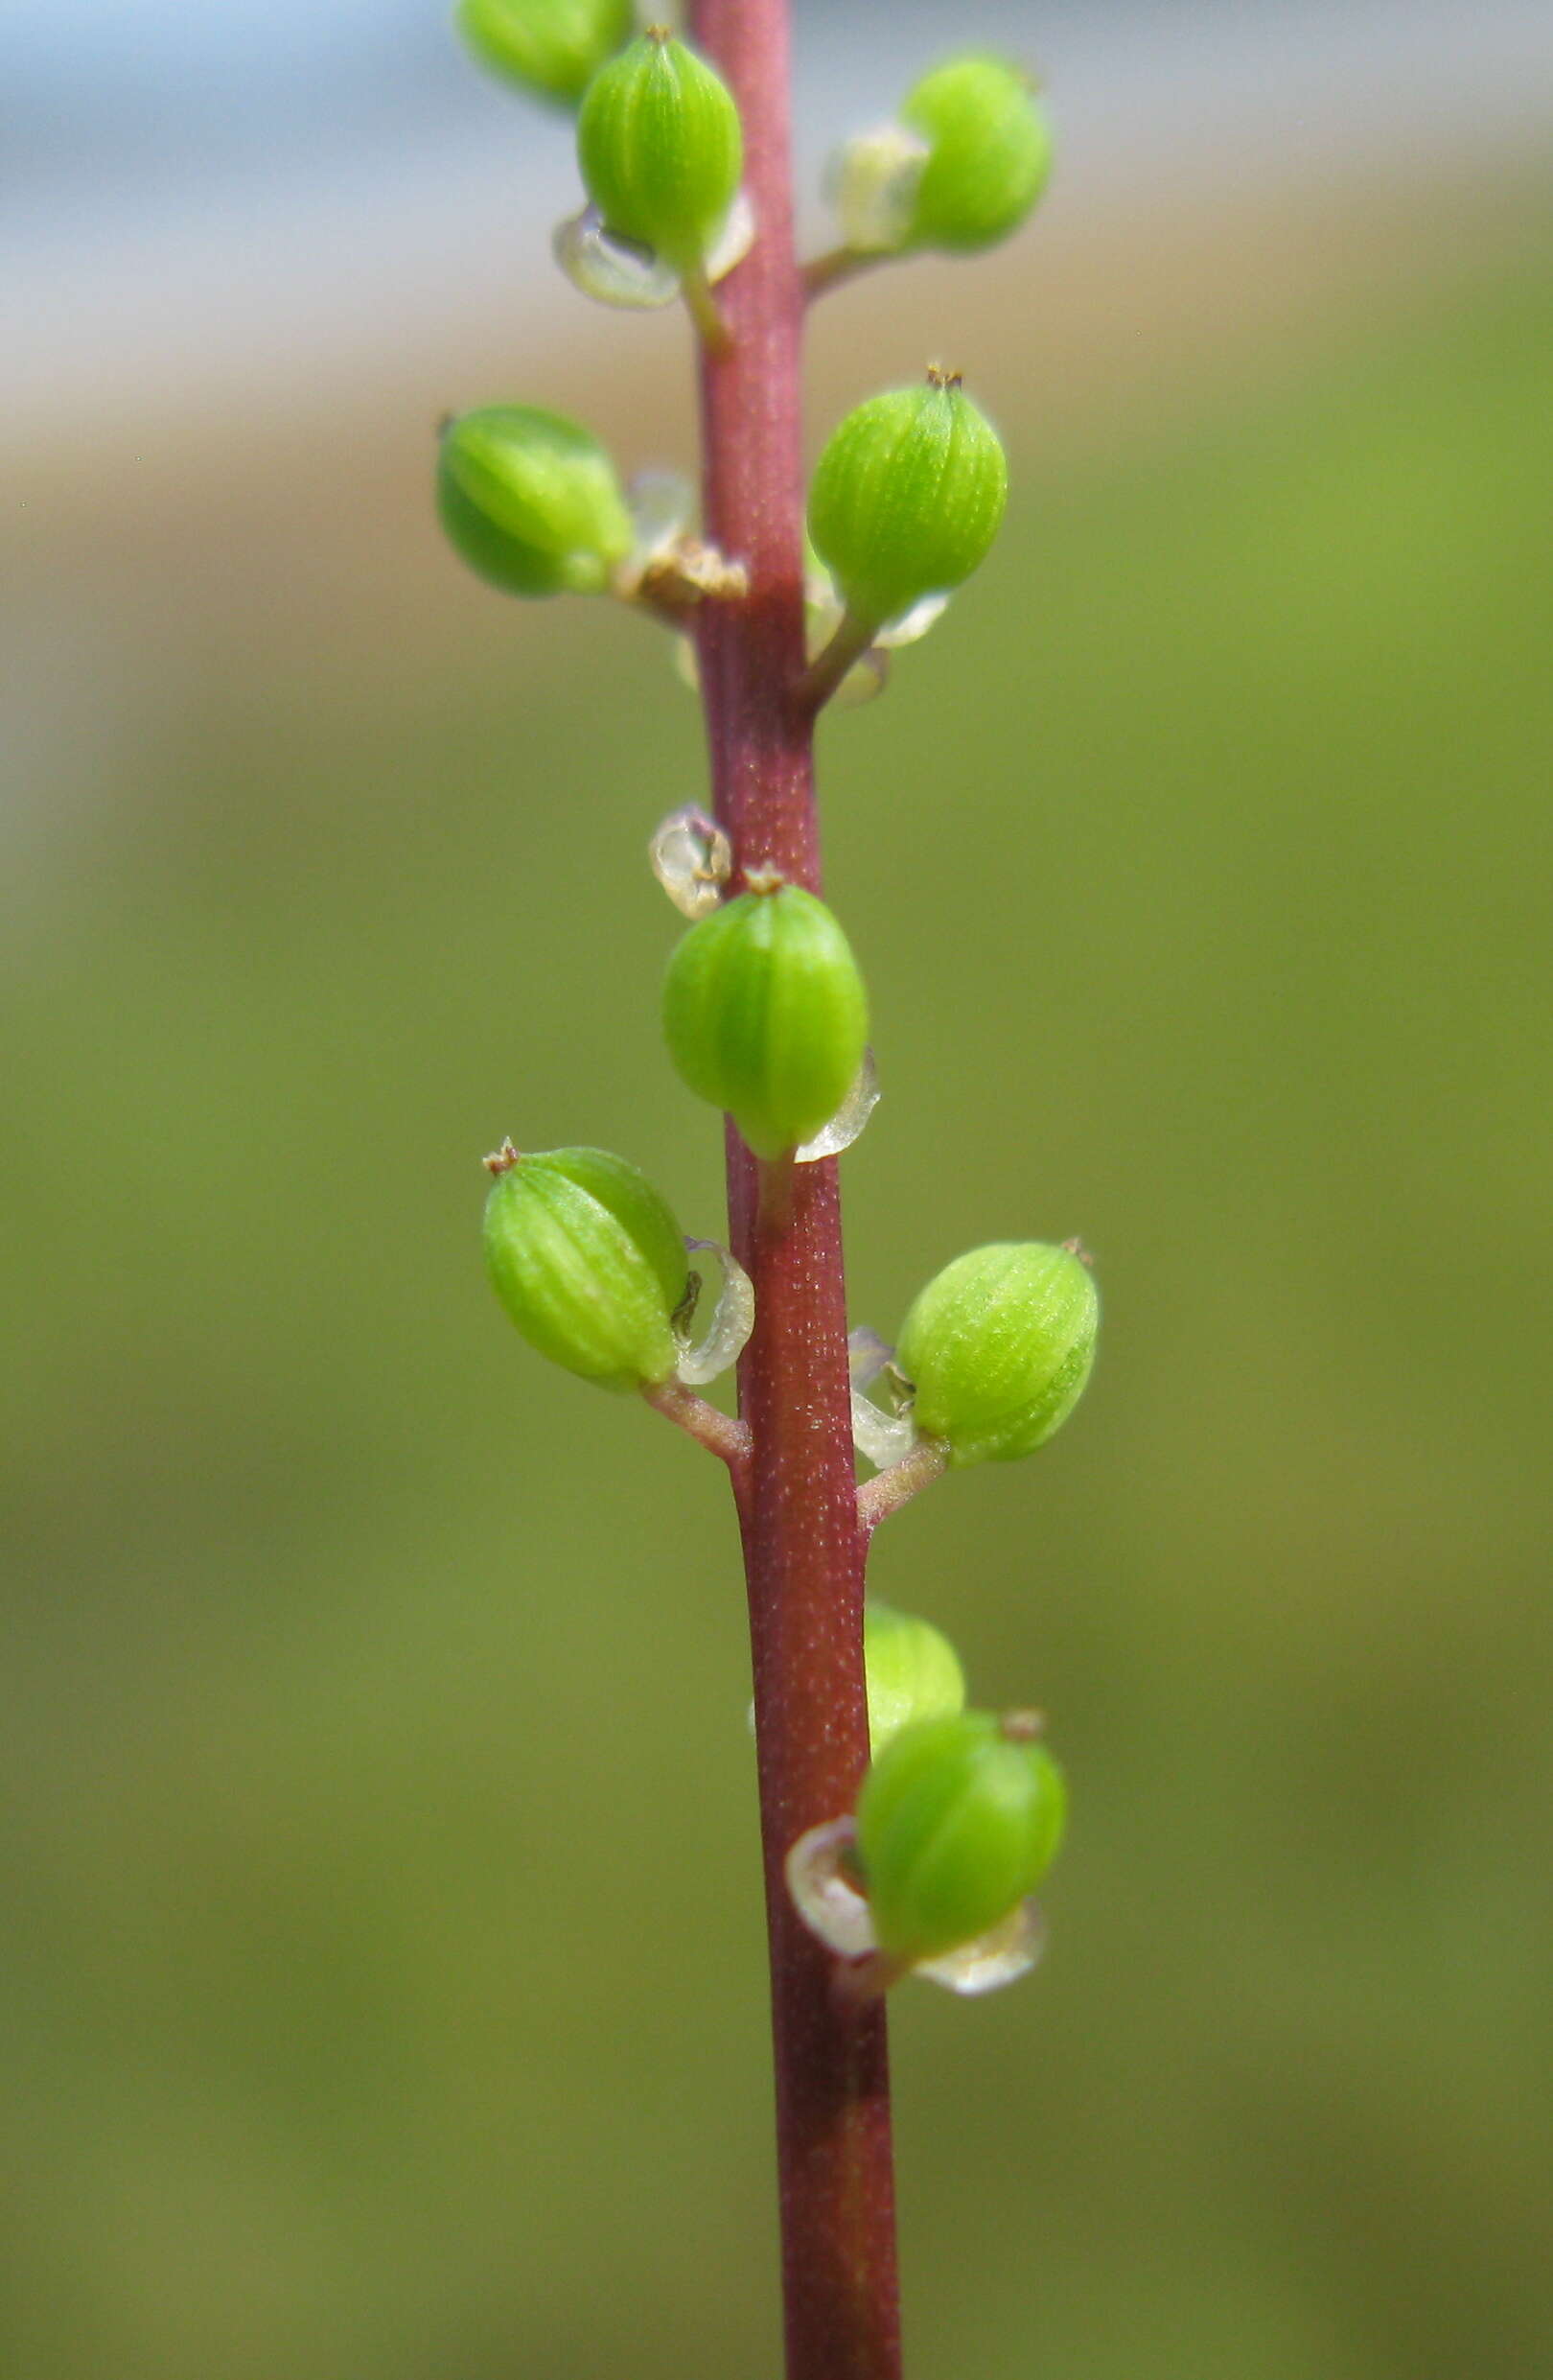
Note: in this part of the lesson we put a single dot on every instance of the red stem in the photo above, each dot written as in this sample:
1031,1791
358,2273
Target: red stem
803,1548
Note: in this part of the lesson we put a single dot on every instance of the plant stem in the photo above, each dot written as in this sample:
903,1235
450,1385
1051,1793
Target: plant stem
803,1548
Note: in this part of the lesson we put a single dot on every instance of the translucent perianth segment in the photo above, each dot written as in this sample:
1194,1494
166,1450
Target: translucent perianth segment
736,240
662,504
727,1334
824,612
615,272
883,1437
999,1956
827,1898
914,623
874,185
824,1893
692,859
849,1120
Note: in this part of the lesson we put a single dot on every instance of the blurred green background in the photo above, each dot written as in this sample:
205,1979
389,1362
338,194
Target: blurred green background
382,1992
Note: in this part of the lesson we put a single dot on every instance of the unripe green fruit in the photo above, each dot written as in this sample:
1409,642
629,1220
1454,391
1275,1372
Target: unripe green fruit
989,152
956,1822
913,1673
531,500
907,497
765,1014
552,46
999,1346
661,149
588,1262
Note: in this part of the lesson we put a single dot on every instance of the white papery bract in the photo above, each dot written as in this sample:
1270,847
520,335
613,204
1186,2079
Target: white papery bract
622,272
615,272
849,1120
661,505
727,1334
828,1901
884,1437
692,859
874,184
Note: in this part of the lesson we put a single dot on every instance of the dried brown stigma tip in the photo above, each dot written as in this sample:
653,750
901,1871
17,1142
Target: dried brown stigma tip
1022,1726
939,377
659,33
764,880
502,1161
1077,1247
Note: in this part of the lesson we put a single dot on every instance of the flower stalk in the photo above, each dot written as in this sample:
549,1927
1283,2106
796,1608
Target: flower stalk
803,1548
683,151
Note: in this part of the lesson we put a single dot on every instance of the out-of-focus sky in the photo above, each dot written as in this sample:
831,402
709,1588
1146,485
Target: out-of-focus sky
187,187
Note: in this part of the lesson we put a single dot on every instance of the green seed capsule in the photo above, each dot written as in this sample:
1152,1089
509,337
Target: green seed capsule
531,500
989,152
588,1262
552,46
765,1014
999,1346
956,1822
908,497
913,1673
661,149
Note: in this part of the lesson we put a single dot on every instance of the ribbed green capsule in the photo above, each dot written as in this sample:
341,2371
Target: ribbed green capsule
913,1673
958,1819
998,1346
588,1262
907,497
661,149
554,47
989,152
531,500
765,1014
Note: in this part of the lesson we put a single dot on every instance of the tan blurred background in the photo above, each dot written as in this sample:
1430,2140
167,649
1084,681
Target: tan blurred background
380,1988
